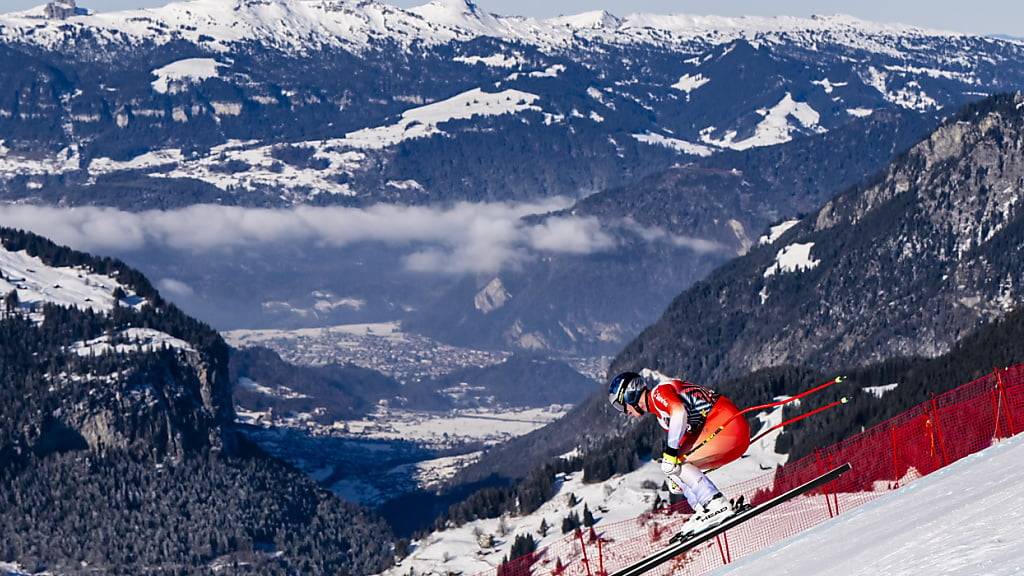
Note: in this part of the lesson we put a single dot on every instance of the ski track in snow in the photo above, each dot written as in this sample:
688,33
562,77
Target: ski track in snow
962,520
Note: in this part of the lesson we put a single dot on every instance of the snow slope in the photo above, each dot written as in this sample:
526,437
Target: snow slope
37,283
965,519
184,71
130,340
339,155
777,126
793,258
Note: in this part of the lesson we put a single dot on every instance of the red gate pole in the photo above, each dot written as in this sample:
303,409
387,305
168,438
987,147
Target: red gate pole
996,395
1006,401
728,553
721,549
895,461
835,491
822,470
600,557
938,432
583,546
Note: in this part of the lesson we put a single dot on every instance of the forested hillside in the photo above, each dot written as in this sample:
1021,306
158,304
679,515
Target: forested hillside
117,448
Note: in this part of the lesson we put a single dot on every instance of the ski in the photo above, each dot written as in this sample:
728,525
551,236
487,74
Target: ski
678,545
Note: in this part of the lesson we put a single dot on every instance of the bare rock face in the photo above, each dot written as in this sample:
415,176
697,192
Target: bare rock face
492,297
174,405
63,9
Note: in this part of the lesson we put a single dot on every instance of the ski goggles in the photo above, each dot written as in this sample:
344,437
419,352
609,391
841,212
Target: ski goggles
624,393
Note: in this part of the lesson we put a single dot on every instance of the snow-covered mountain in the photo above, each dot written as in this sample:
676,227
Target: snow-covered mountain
215,100
359,25
279,103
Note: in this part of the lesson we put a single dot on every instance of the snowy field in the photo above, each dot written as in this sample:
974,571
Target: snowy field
38,283
963,520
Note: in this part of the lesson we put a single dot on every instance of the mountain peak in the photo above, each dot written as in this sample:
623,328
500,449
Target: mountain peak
595,19
459,14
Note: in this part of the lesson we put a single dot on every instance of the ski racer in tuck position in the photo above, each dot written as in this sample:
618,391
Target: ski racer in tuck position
684,410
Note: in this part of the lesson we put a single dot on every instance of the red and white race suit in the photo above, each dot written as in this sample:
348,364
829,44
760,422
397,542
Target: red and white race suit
686,410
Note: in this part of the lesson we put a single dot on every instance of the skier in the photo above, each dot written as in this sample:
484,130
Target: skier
684,410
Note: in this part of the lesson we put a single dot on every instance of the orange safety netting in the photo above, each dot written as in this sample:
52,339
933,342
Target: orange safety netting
889,455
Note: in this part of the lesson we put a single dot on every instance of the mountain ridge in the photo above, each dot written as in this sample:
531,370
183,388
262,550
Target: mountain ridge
358,24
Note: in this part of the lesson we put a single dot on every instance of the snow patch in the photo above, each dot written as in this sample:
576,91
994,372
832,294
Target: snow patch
129,341
793,258
879,391
860,112
776,232
423,121
176,76
154,159
549,72
909,96
688,83
673,143
494,61
405,185
775,128
828,85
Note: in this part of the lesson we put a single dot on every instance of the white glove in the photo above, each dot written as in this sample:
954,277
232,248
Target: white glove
671,464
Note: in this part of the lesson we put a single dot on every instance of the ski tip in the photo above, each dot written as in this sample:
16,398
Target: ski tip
840,379
844,399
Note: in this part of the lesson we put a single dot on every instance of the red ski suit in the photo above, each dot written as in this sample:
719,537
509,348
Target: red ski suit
690,413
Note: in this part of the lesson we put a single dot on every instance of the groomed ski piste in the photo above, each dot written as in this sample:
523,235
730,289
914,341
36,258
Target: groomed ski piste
950,429
965,519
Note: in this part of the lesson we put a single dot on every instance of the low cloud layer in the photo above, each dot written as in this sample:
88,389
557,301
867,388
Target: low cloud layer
464,237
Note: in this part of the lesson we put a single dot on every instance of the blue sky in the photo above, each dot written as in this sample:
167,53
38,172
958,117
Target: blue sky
987,17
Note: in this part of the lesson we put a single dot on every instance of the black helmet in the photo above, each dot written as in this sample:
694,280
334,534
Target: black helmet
626,389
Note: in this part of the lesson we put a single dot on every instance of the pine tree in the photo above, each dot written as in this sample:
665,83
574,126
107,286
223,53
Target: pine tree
588,517
11,301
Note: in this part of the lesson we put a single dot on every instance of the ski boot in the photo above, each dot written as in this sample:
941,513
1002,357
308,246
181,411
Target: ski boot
710,515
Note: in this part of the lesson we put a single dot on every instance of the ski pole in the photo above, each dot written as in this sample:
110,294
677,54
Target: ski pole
803,394
842,400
